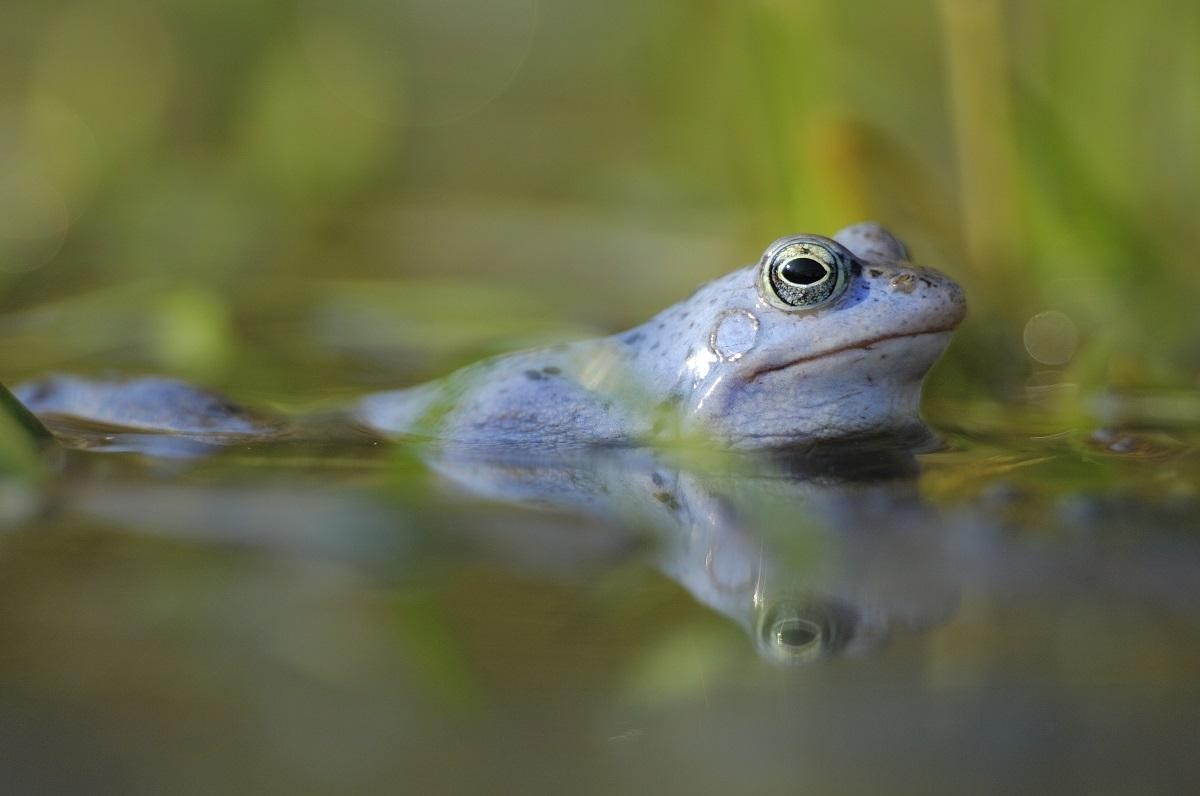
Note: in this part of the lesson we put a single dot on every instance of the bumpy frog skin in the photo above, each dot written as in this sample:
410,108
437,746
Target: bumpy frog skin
732,361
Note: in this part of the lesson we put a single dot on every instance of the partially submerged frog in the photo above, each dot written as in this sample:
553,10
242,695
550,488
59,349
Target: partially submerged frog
823,338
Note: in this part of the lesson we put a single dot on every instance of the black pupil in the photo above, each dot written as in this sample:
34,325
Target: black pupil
803,271
797,636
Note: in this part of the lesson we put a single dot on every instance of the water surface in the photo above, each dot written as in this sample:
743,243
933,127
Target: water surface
338,615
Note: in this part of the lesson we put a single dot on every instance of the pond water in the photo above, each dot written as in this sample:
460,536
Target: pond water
333,614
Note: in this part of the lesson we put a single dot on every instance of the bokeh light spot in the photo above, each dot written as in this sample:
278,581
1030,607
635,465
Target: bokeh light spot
44,137
63,147
1051,338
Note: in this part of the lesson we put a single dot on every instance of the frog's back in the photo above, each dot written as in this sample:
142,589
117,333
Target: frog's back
146,404
530,398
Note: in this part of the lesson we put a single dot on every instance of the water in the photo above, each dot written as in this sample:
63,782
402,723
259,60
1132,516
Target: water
1009,611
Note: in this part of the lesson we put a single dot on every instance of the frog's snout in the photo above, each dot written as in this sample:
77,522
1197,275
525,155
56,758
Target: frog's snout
936,291
951,298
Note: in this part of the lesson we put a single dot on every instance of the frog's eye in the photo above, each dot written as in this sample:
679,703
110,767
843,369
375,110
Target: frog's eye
804,272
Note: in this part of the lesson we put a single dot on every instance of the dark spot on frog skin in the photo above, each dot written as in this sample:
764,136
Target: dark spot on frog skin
226,408
657,478
551,370
667,499
630,339
656,346
37,392
876,273
535,375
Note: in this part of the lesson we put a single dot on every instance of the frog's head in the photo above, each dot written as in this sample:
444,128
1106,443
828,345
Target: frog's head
822,338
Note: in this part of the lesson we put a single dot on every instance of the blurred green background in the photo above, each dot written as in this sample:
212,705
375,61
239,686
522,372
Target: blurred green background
301,200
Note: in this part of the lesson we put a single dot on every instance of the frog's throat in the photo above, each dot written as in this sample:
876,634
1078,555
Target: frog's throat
860,345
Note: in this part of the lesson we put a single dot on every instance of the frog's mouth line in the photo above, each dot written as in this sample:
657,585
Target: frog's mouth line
863,345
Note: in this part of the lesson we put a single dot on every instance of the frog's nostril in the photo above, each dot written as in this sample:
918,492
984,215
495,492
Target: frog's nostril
903,282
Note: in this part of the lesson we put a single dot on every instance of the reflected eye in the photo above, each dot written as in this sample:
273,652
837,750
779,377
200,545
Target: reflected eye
796,635
801,630
804,272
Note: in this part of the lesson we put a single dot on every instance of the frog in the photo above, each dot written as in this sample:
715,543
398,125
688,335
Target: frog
823,338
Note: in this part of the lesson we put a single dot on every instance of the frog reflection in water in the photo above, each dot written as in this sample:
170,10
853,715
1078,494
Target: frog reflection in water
811,557
823,338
